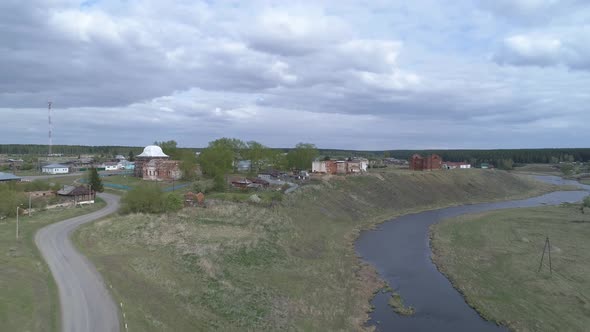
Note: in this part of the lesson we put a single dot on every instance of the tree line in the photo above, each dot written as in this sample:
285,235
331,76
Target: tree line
518,156
222,156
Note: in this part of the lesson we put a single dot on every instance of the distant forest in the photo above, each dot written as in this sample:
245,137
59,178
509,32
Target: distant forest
476,157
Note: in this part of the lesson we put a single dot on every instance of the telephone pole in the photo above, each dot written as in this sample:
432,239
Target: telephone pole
547,248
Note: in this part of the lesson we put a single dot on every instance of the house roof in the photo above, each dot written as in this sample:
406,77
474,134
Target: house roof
56,166
152,151
8,177
73,191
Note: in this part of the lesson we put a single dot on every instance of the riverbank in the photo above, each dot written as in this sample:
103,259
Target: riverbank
493,260
236,266
29,295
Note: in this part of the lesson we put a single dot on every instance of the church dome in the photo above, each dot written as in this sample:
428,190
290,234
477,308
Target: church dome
152,151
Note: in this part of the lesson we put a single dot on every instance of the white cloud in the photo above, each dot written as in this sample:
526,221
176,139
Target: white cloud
342,74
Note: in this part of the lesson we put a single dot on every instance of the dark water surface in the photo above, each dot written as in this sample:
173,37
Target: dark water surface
400,251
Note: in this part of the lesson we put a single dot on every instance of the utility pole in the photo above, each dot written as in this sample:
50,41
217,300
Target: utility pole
17,221
29,211
547,248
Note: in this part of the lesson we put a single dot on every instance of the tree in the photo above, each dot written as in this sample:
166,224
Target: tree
173,202
567,169
169,147
302,156
131,156
95,181
258,155
221,155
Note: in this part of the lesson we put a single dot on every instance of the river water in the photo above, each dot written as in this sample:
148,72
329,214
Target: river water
400,251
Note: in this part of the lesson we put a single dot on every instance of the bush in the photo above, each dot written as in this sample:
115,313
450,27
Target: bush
587,202
145,198
9,200
173,202
149,198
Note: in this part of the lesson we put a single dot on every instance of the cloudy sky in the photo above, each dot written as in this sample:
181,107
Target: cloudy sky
340,74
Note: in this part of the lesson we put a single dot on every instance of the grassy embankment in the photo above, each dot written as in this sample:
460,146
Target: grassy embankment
541,169
28,296
238,266
493,259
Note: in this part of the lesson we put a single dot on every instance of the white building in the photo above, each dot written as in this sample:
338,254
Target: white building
56,169
111,166
452,165
318,166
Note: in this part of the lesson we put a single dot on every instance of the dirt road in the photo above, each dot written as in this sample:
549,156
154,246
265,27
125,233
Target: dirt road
86,304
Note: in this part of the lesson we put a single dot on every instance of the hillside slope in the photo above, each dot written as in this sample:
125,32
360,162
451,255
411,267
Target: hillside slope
246,267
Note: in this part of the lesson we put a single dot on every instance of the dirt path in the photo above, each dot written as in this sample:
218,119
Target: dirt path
86,304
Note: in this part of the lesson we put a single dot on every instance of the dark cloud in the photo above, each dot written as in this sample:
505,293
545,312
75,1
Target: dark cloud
351,75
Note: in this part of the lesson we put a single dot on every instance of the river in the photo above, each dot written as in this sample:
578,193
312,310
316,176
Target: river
400,251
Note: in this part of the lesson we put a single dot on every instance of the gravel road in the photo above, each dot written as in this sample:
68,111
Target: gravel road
86,304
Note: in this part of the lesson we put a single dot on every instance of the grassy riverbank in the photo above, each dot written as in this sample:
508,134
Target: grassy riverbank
29,300
493,258
292,266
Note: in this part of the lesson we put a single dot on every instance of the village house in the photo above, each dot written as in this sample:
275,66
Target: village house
153,165
428,163
5,177
453,165
77,193
111,166
340,166
56,169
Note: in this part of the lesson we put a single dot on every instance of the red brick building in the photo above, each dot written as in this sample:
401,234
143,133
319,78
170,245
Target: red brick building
154,165
428,163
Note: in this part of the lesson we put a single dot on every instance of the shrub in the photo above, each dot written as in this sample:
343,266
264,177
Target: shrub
149,198
145,198
587,202
173,202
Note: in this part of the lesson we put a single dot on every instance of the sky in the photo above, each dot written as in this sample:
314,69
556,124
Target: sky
371,75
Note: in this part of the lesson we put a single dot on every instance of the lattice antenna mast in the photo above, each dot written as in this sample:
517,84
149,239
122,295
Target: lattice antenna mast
50,127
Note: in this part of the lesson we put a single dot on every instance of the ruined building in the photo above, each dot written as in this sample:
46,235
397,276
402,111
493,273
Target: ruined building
428,163
152,164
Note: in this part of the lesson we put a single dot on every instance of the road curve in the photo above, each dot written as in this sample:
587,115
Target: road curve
86,304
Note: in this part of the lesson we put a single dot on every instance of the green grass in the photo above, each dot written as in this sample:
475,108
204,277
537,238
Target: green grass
266,196
585,181
493,258
397,303
292,266
548,169
29,295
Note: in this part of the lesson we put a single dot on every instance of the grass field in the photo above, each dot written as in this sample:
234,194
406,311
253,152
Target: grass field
549,169
236,266
493,258
29,300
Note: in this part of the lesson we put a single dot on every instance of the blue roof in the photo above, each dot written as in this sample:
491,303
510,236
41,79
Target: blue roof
56,166
8,177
